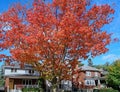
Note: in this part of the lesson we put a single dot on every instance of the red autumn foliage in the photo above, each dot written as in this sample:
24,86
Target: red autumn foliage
54,36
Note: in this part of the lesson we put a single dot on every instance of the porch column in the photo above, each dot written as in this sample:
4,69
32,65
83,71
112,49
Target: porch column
7,88
15,87
98,82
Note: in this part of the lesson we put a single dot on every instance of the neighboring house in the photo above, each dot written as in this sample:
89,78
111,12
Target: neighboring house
66,85
103,78
17,78
87,77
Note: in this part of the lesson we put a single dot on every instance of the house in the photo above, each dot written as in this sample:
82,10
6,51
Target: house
17,78
87,77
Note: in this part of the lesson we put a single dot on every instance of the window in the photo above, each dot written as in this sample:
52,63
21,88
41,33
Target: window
26,82
89,82
13,70
88,73
30,82
92,82
96,74
23,82
31,71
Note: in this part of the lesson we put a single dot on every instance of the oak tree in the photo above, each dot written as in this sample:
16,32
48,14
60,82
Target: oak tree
54,36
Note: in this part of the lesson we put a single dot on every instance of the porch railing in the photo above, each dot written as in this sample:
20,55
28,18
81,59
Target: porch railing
25,86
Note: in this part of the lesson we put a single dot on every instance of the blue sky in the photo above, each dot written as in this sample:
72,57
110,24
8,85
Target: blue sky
113,27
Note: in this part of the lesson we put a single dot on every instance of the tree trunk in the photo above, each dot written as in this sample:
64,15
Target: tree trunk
54,90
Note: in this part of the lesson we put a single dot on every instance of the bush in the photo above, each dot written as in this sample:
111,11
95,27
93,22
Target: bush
30,90
96,90
108,90
67,91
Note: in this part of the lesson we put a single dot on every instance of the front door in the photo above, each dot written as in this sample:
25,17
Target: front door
11,83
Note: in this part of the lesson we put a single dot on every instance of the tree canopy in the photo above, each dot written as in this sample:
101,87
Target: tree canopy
90,63
113,78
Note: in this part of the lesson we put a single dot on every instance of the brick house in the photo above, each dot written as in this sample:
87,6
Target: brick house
87,77
17,78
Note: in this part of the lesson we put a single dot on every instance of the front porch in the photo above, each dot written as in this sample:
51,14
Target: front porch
16,84
18,88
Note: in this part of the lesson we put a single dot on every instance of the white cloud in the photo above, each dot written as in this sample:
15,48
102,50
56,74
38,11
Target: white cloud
111,57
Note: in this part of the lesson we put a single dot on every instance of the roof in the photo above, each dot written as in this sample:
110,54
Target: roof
89,68
104,72
18,67
24,77
95,78
8,67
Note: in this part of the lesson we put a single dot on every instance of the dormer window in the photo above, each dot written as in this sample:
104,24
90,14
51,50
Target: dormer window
88,73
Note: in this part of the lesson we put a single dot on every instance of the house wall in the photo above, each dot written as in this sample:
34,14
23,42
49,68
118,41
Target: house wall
81,77
92,74
92,77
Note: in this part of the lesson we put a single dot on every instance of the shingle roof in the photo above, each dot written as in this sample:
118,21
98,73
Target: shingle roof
88,68
18,67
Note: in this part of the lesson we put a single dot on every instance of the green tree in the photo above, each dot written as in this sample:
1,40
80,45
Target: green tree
1,79
107,63
102,66
113,77
90,63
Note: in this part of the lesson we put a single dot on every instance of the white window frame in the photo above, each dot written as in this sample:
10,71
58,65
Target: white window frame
88,73
87,82
96,74
90,82
27,82
13,70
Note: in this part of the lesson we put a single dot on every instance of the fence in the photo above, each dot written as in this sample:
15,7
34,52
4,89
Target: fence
80,90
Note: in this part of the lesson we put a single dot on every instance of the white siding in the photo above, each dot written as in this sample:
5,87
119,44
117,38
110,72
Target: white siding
19,72
9,72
